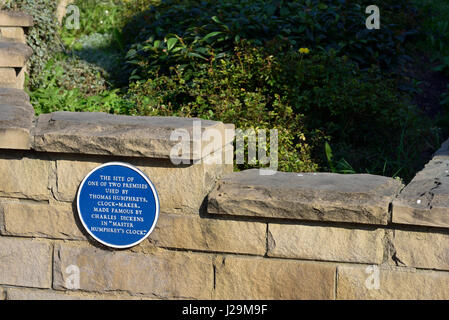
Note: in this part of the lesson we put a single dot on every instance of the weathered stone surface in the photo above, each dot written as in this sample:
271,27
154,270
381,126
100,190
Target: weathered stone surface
326,243
181,189
25,263
13,96
20,80
15,19
16,121
40,220
356,283
8,78
38,294
26,178
163,274
105,134
195,233
360,198
422,249
262,278
14,33
45,294
425,200
14,54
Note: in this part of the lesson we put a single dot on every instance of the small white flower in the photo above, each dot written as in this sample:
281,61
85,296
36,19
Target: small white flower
107,12
101,22
418,201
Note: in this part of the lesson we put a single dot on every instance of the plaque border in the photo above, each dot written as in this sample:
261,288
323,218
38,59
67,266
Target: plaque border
155,194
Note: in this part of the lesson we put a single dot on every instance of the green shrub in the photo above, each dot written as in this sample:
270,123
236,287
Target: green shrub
311,98
193,26
229,91
435,25
59,92
337,104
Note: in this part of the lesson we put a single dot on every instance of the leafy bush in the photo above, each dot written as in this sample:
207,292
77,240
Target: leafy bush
232,92
308,68
58,92
192,27
310,98
435,26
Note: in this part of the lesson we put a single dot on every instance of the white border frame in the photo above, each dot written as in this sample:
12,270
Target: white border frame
156,196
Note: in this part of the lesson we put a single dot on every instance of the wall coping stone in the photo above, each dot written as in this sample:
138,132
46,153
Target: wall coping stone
99,133
425,200
357,198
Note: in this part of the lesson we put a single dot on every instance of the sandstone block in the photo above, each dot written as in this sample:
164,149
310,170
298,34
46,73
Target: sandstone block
25,178
45,294
14,54
262,278
99,133
326,243
422,249
13,96
15,19
195,233
360,198
14,33
16,122
163,274
20,83
425,200
357,283
25,263
40,220
33,294
8,78
181,189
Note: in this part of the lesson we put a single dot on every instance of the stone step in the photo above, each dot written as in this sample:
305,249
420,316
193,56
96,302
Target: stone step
13,96
15,19
14,54
10,78
12,34
16,119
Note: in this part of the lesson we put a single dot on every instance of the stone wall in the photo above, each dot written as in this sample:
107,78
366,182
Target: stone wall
220,234
14,53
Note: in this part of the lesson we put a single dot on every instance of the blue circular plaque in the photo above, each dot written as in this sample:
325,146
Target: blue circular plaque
118,205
